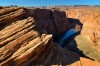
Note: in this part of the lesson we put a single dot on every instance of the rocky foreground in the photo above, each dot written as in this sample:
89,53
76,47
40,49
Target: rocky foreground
26,38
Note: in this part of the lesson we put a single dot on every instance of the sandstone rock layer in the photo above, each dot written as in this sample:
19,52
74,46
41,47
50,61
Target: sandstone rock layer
26,39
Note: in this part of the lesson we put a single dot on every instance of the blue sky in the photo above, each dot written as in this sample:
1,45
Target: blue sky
48,2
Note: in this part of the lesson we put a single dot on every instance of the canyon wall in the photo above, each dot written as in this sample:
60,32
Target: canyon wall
52,21
88,41
26,38
90,18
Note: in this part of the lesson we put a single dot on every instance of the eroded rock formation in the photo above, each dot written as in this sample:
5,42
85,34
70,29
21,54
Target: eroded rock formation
26,38
8,14
89,39
90,18
50,20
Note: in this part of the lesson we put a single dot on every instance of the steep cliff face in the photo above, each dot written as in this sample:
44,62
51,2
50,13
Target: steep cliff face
89,39
90,18
26,39
52,21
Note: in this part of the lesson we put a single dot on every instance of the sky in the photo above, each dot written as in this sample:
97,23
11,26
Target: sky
48,2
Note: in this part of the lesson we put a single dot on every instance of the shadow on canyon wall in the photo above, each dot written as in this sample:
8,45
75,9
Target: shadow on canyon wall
71,45
70,42
74,23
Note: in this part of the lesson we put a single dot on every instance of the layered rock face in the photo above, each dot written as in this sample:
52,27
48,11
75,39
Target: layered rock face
26,38
8,14
90,18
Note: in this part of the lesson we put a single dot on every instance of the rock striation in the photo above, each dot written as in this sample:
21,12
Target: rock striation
26,38
14,14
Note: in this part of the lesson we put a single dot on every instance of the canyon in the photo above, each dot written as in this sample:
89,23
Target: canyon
28,36
90,32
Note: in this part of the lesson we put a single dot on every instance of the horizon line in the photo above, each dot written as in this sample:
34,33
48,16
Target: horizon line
48,5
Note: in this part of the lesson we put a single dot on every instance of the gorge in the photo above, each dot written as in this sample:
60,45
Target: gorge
47,37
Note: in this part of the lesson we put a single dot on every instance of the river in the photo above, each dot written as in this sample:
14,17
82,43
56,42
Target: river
66,35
